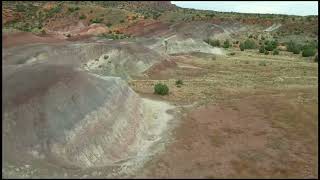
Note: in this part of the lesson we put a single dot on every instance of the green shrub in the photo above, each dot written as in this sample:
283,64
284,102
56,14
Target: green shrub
73,9
232,53
269,47
226,44
275,44
122,21
249,44
109,24
261,49
214,43
316,58
293,47
262,63
82,17
266,52
96,20
70,9
275,52
242,46
307,52
161,89
179,83
296,50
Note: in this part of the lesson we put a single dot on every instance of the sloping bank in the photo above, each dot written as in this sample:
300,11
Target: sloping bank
73,119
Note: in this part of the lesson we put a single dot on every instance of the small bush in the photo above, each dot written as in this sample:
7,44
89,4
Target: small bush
96,20
275,52
242,47
316,58
262,63
161,89
248,44
214,43
271,45
293,47
179,83
226,44
296,50
71,9
82,17
122,21
307,52
232,53
266,53
261,49
109,24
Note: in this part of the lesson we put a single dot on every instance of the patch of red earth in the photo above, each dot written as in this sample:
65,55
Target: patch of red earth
22,38
147,29
233,141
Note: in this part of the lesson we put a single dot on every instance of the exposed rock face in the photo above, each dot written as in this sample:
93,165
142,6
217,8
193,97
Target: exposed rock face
75,119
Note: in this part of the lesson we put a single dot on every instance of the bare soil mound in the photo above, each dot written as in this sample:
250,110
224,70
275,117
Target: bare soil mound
58,115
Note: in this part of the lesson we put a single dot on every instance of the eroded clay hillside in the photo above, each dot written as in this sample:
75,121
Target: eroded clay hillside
115,89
